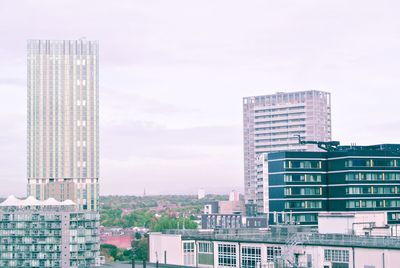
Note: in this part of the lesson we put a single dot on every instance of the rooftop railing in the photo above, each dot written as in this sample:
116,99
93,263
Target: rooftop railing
299,238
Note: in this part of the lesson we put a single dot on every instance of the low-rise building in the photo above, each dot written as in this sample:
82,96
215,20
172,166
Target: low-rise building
292,246
47,234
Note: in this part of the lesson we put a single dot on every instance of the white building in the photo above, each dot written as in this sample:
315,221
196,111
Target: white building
201,193
271,249
63,111
271,122
234,196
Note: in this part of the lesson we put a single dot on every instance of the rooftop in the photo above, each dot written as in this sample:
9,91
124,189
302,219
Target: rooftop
31,201
289,236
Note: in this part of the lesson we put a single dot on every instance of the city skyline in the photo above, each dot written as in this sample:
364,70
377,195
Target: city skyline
171,93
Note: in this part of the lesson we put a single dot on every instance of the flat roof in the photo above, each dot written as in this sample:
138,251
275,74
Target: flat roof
285,236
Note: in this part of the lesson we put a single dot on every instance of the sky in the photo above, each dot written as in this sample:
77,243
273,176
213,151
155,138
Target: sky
173,75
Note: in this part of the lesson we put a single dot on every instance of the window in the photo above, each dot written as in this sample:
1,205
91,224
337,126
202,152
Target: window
227,255
392,176
358,163
384,162
206,253
251,257
395,216
309,164
303,191
305,218
273,253
309,261
205,247
353,190
372,176
302,178
335,255
302,204
188,253
393,203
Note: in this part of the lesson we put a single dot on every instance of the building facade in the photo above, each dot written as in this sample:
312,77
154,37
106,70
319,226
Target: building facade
47,234
272,249
345,179
271,123
63,129
221,221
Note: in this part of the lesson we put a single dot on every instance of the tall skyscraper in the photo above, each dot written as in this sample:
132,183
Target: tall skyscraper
63,129
271,123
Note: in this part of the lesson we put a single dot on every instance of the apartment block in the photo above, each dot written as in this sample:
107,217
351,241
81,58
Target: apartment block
47,233
63,128
272,122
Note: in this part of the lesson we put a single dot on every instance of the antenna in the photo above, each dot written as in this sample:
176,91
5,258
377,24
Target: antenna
324,145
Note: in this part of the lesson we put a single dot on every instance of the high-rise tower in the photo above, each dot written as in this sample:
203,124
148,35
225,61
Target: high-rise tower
271,123
63,129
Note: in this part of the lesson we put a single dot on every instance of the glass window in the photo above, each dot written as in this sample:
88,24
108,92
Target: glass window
302,178
227,255
309,164
251,257
188,253
205,247
273,253
336,255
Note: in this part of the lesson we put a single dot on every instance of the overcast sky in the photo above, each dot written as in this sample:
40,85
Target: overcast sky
173,74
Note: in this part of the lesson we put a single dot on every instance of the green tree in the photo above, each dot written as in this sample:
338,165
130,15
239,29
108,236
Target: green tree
165,223
138,236
141,248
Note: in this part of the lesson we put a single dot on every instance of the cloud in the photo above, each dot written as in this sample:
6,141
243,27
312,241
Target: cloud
173,74
13,81
148,140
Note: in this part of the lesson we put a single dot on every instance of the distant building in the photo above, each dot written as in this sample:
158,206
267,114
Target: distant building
271,122
234,196
211,208
292,246
47,234
256,222
342,179
201,194
221,221
231,207
223,214
63,125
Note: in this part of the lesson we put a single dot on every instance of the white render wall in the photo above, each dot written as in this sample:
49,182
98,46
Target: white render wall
271,122
363,257
161,243
350,223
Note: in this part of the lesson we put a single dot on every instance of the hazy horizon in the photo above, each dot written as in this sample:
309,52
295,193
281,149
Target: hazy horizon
173,74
